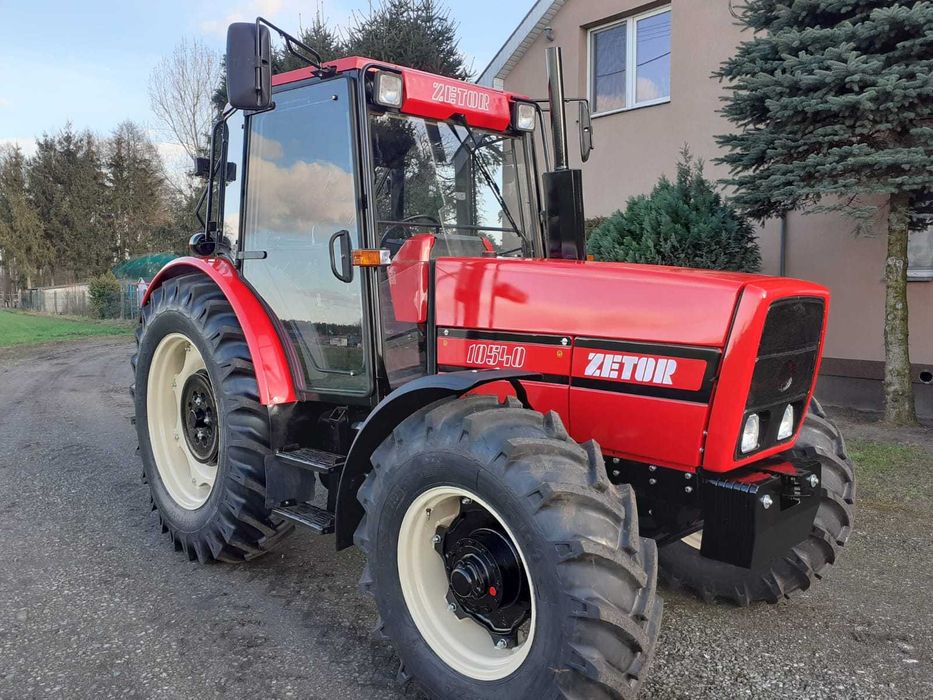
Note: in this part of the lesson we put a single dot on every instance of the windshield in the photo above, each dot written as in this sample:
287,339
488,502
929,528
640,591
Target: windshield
464,185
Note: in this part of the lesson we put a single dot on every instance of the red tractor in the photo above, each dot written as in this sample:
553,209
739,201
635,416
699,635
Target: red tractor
389,303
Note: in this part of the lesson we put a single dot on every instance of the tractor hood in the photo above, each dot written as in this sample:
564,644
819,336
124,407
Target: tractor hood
646,303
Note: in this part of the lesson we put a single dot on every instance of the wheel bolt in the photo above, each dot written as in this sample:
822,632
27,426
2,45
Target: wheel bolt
452,607
466,501
175,436
436,539
766,501
501,644
813,480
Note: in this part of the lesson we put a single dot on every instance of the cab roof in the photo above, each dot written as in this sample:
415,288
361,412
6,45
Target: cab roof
429,95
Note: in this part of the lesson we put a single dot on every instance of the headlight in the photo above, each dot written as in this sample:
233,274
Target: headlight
786,429
750,433
523,116
387,89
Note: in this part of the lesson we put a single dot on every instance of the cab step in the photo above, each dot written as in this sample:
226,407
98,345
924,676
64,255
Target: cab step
317,461
318,520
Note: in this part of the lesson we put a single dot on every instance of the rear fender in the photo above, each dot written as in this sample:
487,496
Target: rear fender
273,375
391,411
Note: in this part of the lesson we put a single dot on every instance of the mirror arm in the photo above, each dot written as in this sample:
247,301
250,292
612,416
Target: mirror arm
290,44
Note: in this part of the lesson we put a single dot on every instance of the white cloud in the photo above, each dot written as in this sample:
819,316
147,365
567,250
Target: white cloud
4,103
313,197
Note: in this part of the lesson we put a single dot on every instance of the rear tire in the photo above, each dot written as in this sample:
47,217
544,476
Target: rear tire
682,565
594,614
188,325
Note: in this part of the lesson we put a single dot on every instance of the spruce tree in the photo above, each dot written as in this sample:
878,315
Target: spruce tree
833,104
23,249
414,33
136,191
684,223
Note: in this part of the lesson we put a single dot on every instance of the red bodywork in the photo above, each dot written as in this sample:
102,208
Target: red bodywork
431,96
273,375
605,334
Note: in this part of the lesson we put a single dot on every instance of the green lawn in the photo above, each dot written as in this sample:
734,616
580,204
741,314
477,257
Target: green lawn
17,328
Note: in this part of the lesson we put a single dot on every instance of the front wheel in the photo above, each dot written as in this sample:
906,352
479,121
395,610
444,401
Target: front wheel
682,564
502,561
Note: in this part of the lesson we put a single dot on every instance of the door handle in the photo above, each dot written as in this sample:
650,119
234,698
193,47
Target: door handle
341,262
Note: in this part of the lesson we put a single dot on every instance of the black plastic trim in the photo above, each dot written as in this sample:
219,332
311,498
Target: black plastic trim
391,411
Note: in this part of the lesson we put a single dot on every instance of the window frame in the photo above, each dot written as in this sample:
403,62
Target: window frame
631,61
915,271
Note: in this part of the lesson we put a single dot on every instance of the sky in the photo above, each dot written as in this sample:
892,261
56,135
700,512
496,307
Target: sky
89,62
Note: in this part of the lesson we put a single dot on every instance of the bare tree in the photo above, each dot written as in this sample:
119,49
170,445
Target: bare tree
180,90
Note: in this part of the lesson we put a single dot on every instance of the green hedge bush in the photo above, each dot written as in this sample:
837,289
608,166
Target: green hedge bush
105,293
685,223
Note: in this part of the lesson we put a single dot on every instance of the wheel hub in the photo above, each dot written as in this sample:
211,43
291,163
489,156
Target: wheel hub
199,410
485,574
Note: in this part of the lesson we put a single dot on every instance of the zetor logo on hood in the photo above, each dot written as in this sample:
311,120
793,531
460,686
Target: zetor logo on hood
631,368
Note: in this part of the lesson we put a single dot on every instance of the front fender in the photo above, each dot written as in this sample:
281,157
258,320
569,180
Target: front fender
391,411
273,375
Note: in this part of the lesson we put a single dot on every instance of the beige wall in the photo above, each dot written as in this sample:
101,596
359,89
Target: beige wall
633,148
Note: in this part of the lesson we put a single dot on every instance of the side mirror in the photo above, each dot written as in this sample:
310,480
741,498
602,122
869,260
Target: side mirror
249,66
586,131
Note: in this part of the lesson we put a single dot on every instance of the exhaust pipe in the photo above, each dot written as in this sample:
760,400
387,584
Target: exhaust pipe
555,94
563,187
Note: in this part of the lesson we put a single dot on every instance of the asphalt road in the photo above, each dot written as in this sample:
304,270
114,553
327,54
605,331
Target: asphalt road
95,603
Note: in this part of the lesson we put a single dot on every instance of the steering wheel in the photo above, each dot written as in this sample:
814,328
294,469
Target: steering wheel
393,243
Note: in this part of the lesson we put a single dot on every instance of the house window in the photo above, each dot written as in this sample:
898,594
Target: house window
920,256
630,62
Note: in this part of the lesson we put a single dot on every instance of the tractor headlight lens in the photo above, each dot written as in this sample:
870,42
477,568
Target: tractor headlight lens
524,116
750,433
387,89
786,429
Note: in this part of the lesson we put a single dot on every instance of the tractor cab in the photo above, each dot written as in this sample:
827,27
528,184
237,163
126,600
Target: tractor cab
360,172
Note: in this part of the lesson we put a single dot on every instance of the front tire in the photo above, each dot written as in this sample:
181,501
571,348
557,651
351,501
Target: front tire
682,565
589,579
202,432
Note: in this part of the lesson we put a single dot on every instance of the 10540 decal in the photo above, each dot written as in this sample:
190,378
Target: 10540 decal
495,355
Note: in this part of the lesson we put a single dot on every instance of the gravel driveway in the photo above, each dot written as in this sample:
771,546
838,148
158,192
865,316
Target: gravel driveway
95,603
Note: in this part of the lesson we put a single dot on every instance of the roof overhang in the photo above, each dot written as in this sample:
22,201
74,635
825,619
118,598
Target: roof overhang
529,29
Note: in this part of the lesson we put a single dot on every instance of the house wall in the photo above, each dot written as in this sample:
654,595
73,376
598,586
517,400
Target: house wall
635,147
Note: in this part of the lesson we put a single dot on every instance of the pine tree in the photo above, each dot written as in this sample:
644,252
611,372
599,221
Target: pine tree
136,191
66,181
413,33
684,223
833,101
23,248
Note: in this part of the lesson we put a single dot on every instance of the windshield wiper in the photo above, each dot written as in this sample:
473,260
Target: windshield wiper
477,143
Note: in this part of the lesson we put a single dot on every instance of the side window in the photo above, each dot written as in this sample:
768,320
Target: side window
302,190
630,62
920,255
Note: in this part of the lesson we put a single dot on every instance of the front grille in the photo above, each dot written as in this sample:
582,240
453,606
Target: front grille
786,362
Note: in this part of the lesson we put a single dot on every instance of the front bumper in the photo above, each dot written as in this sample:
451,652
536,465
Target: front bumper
753,515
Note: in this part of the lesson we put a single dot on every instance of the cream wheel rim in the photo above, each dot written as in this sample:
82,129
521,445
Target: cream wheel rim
463,644
189,481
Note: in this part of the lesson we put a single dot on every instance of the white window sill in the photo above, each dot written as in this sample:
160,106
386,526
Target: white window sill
640,105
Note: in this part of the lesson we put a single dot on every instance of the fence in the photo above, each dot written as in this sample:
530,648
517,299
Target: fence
75,300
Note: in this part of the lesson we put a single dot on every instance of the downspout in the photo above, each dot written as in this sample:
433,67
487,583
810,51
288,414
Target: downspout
783,263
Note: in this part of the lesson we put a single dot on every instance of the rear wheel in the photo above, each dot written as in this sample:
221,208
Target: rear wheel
502,560
202,432
682,564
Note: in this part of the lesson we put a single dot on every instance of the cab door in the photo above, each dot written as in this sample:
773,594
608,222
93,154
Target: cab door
301,220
